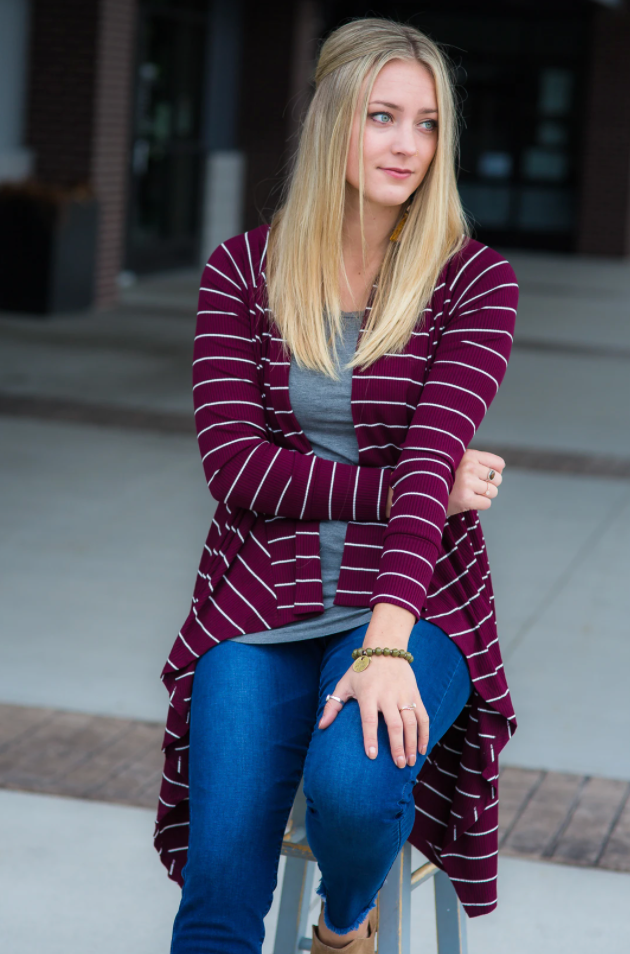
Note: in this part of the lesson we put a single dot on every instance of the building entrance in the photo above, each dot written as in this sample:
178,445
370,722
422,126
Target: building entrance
521,71
167,150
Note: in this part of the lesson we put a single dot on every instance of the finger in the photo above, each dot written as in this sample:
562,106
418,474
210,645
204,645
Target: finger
485,488
491,461
369,723
481,471
332,707
410,733
480,503
423,726
394,724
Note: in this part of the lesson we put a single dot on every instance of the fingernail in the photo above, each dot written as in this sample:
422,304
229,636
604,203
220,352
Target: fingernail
412,760
400,761
372,752
423,750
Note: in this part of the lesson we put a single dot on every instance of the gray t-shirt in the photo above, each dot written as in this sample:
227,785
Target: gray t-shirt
322,406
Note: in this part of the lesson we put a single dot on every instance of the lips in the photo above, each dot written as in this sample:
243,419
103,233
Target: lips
396,173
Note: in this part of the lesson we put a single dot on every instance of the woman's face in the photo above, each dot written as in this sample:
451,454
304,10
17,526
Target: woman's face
401,134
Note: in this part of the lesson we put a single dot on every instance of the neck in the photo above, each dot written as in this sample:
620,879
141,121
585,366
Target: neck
378,225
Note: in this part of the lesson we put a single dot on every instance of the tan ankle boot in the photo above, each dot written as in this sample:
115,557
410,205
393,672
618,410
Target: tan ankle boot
360,945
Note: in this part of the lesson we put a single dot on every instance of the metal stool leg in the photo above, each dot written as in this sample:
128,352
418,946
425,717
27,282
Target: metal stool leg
394,906
450,917
292,932
293,916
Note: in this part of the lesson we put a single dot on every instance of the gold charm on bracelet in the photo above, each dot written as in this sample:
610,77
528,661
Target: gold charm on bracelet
361,663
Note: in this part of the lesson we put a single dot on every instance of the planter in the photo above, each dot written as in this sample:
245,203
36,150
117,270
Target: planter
47,248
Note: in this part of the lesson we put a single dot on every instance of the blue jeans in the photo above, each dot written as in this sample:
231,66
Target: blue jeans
253,733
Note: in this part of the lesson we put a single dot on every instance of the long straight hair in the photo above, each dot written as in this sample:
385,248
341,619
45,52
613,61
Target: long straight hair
305,241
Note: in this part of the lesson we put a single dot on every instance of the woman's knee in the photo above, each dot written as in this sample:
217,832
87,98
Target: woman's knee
343,785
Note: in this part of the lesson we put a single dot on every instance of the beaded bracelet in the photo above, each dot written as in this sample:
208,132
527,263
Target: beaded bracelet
362,656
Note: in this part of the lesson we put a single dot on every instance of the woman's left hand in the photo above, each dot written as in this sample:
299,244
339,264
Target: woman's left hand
387,684
472,490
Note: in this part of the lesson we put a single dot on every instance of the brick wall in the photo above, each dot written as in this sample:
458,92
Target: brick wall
60,111
81,62
604,226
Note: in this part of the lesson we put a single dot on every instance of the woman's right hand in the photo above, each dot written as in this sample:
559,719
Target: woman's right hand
471,483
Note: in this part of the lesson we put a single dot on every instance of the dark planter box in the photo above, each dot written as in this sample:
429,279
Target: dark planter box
47,248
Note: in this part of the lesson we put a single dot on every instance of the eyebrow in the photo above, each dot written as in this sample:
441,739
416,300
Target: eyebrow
381,102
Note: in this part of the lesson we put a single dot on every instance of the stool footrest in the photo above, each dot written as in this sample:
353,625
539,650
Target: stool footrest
297,851
423,873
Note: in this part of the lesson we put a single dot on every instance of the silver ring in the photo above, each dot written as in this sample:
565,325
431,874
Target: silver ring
336,698
412,706
491,475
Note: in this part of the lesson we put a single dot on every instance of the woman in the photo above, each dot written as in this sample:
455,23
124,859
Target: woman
347,521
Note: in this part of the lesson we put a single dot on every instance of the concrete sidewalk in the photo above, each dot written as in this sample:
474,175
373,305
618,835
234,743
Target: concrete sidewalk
102,528
82,877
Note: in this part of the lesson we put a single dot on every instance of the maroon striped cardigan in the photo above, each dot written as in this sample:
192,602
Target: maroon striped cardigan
415,414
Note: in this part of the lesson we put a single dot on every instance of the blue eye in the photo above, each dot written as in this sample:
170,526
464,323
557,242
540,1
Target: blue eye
432,122
373,116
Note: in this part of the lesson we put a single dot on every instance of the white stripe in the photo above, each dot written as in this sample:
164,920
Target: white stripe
217,291
476,344
466,264
457,387
262,582
206,631
224,246
231,280
432,817
258,489
238,593
237,478
489,292
308,484
189,648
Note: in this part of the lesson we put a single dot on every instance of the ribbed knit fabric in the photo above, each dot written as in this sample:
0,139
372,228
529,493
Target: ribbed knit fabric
415,414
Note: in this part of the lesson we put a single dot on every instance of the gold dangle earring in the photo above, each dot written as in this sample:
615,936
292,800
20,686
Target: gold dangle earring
395,236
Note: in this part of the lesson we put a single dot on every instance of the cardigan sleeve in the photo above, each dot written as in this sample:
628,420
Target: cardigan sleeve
243,467
467,369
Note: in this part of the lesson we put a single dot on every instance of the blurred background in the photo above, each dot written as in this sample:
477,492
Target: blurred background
135,136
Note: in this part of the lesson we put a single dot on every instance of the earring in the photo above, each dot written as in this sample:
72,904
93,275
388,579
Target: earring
394,237
396,233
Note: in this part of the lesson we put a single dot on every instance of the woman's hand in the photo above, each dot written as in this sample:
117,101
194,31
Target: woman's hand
471,483
387,684
472,490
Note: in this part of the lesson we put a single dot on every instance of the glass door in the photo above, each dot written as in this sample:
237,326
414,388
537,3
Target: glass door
167,150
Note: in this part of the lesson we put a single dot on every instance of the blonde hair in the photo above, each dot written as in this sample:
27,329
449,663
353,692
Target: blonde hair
305,241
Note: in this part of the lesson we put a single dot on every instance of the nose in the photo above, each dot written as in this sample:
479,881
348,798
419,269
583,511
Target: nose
405,143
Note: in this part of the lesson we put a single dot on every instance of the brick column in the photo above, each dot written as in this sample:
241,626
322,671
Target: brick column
78,117
111,138
604,224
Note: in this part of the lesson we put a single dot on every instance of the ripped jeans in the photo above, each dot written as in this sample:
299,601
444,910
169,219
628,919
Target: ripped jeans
253,733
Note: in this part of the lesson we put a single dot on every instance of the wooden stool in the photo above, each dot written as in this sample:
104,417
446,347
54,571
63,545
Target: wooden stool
393,904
